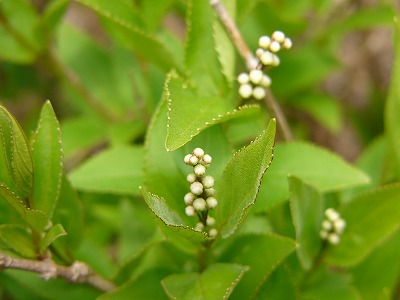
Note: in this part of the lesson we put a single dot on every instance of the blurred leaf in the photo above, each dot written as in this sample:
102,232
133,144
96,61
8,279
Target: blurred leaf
47,155
322,169
306,207
241,180
17,239
117,170
279,286
216,282
17,154
371,218
153,12
262,253
54,13
54,233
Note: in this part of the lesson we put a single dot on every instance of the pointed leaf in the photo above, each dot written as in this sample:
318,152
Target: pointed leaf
216,282
54,233
17,239
117,170
47,155
306,206
18,155
241,180
262,253
371,218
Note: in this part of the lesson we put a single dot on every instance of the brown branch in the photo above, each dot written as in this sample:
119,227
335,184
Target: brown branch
252,63
78,272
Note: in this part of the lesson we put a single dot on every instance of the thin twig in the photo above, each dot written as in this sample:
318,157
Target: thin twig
78,272
252,63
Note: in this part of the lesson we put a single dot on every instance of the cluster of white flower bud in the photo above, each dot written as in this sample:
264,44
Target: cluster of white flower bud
201,198
255,83
332,227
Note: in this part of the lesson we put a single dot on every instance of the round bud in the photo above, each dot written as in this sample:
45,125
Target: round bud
339,225
267,58
259,52
266,81
275,60
186,159
191,178
323,234
198,152
193,160
207,159
208,181
209,192
259,93
332,214
243,78
189,210
199,170
196,188
211,202
264,41
275,46
327,225
256,76
199,204
333,238
199,227
287,43
213,232
245,90
210,221
278,36
189,198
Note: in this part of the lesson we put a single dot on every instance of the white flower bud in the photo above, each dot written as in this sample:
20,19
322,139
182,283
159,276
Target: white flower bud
266,81
327,225
339,225
287,43
199,204
209,192
189,210
333,238
208,181
196,188
259,92
332,214
199,227
323,234
243,78
207,159
199,170
259,52
210,221
264,41
256,76
267,58
278,36
211,202
245,91
193,160
275,60
275,46
198,152
189,198
213,232
187,159
191,178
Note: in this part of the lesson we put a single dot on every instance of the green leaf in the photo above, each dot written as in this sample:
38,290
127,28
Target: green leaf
216,282
171,218
392,109
54,13
17,239
306,207
241,180
47,155
262,253
54,233
34,218
117,170
279,286
189,113
314,165
17,154
371,218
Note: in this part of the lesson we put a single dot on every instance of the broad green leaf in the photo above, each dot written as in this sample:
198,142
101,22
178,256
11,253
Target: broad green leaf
33,218
262,253
117,170
279,286
17,154
306,207
153,12
18,239
171,218
216,282
206,76
54,12
51,235
392,109
371,218
189,113
124,26
47,155
314,165
241,180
